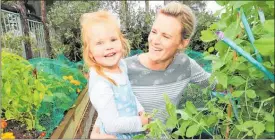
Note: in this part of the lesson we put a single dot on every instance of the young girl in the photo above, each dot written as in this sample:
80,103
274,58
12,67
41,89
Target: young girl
109,88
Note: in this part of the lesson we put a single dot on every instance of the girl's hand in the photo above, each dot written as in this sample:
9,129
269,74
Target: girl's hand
144,118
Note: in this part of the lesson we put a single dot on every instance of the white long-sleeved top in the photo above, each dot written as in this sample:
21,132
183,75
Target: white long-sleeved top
102,97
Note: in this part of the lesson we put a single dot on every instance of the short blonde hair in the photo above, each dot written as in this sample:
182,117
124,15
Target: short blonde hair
87,21
185,16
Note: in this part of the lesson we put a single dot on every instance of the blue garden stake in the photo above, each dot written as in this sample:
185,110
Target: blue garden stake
250,35
246,55
261,15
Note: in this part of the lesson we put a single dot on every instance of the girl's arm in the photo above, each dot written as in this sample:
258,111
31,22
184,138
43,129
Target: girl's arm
102,98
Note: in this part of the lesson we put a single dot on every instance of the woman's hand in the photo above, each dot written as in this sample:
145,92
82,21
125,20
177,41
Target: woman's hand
96,134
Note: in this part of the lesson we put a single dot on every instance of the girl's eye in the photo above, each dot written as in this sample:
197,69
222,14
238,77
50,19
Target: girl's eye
154,32
99,43
113,39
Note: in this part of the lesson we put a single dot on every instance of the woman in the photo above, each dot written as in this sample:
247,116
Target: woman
163,69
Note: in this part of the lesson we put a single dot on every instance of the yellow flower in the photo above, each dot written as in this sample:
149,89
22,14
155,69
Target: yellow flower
70,77
65,77
78,90
7,135
75,82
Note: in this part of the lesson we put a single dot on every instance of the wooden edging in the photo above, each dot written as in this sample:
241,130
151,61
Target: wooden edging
71,121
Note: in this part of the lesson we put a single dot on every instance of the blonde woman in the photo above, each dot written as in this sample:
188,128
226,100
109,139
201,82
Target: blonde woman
163,69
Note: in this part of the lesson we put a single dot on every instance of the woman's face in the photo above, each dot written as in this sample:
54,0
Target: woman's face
165,38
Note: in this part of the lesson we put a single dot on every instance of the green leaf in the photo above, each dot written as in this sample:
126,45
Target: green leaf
207,36
211,120
171,122
232,30
237,4
222,79
7,87
265,46
140,136
211,57
242,128
183,127
251,94
272,85
269,26
192,130
258,128
250,133
8,115
29,123
270,4
211,49
269,126
190,107
268,117
236,81
218,64
183,114
248,124
237,93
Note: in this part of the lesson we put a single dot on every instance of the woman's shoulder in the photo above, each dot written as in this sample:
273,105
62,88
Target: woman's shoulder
182,59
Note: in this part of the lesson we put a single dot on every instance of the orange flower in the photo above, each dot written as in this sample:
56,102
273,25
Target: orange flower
3,124
42,134
7,135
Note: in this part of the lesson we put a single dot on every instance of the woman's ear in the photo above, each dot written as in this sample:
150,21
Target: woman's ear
184,44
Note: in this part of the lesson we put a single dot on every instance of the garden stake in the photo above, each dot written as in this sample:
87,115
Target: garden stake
250,35
246,55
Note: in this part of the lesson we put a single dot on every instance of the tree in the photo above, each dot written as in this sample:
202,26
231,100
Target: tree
46,30
23,16
147,8
124,15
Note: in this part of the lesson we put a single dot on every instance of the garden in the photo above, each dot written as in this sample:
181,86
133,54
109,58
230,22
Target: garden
41,97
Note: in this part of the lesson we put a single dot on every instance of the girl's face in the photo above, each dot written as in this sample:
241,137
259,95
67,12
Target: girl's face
105,45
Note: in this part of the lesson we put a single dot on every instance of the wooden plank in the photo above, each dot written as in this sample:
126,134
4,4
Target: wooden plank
88,123
77,118
59,132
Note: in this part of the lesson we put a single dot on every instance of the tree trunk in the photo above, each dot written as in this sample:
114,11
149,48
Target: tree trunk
147,6
125,15
46,30
23,16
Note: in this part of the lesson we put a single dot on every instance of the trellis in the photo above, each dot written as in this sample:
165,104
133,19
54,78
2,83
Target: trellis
11,23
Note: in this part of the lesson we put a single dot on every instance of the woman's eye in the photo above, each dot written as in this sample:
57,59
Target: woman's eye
166,37
154,32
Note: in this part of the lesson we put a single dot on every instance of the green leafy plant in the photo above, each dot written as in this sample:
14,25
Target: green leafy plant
246,107
22,90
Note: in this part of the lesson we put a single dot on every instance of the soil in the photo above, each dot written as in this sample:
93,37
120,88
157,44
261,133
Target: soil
20,130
